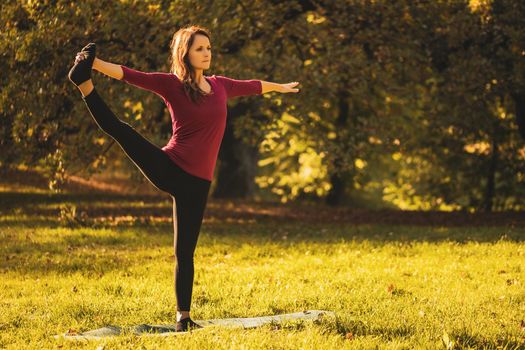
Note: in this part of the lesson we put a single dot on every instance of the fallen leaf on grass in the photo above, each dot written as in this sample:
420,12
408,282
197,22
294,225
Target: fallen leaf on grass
349,336
72,331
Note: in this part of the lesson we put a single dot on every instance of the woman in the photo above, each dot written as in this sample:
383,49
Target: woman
184,167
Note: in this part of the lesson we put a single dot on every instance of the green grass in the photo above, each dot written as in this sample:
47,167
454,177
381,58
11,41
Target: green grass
391,287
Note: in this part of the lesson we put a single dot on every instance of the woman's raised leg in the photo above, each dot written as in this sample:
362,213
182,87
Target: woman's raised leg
156,166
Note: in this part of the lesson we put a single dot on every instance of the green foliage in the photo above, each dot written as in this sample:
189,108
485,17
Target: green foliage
71,217
53,168
288,145
433,81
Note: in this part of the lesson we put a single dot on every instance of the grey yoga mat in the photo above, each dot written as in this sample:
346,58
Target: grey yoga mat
166,330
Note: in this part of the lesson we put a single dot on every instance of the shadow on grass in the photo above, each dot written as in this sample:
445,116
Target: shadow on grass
93,254
9,200
90,264
290,233
464,340
241,222
86,253
96,205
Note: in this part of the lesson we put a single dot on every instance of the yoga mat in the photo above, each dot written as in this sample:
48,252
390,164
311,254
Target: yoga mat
166,330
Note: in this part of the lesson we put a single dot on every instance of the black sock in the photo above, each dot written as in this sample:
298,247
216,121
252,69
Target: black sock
81,71
186,324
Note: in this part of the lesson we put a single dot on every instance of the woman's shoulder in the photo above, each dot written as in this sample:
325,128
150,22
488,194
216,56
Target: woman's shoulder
174,77
221,79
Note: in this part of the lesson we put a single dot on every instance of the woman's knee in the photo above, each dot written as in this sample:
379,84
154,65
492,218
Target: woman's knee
184,261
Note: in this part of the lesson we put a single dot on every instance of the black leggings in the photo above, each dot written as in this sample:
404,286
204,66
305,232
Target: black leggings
189,192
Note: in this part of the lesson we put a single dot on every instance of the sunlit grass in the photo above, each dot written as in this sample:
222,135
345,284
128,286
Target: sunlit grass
390,286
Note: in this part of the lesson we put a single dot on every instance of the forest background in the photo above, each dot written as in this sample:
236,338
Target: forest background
403,104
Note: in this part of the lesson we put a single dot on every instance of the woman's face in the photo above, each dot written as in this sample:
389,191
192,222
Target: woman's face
200,52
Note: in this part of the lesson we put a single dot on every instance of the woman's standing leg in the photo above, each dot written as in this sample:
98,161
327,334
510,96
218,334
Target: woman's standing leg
189,204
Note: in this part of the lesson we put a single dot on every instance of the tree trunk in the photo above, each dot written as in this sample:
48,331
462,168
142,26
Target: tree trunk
491,175
238,162
519,101
336,194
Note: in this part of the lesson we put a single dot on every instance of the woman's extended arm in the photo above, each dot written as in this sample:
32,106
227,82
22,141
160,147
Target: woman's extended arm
110,69
236,87
156,82
269,86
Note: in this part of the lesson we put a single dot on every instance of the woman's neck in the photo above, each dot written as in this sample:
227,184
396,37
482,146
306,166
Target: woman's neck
199,76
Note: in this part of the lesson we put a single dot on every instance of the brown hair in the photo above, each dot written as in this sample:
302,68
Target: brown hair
180,61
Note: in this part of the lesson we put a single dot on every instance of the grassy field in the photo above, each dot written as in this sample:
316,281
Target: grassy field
391,286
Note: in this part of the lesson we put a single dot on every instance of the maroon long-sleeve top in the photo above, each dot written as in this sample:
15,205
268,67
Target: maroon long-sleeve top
198,129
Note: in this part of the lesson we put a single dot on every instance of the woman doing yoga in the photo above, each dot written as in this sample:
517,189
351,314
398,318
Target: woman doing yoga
184,167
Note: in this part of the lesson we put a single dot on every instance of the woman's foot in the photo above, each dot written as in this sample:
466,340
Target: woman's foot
81,71
187,324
